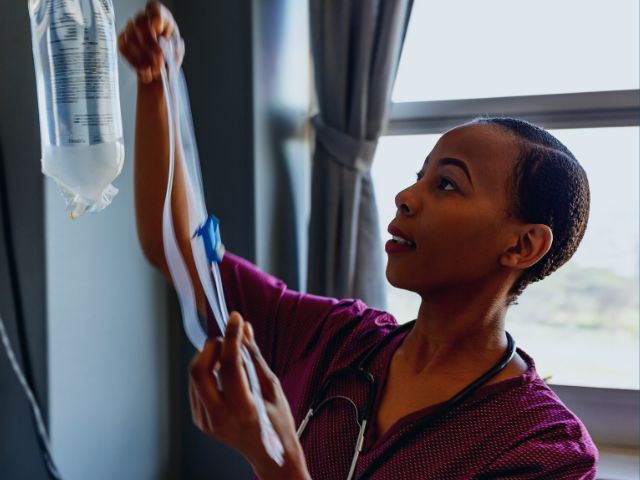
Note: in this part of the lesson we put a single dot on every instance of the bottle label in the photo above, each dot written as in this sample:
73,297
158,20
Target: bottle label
81,73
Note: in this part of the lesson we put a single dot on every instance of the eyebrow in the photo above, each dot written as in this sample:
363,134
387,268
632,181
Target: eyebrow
454,162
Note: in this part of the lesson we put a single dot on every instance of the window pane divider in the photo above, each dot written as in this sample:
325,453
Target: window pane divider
570,110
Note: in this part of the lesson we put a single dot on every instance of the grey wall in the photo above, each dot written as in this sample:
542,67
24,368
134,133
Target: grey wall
103,307
281,90
107,321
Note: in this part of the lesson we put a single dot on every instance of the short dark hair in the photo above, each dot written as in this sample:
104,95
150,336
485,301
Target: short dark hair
549,186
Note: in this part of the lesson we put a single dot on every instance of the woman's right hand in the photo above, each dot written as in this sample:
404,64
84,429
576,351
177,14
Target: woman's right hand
138,42
223,407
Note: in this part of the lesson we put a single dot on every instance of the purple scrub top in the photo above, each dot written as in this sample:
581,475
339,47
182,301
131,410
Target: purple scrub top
514,429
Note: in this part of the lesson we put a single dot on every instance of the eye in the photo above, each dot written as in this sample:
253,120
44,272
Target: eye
445,180
419,175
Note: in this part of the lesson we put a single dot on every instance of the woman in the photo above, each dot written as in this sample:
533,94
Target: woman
498,204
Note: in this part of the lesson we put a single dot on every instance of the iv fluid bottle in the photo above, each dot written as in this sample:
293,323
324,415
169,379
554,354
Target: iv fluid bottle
74,52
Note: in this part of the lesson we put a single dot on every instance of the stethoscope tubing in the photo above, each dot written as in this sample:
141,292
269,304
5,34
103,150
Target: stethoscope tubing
363,419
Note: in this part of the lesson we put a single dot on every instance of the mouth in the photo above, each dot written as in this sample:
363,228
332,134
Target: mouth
402,241
399,241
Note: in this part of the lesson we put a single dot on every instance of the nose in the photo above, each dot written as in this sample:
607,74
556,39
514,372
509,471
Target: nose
405,203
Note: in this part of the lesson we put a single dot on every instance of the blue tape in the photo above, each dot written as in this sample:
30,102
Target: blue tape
209,231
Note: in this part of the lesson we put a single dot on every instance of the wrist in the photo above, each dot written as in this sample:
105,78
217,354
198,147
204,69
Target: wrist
293,468
154,87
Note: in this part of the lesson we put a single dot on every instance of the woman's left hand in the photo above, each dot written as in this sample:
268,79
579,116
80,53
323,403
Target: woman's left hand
227,412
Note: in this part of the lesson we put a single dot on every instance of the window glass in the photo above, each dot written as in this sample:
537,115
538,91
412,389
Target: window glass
580,324
500,48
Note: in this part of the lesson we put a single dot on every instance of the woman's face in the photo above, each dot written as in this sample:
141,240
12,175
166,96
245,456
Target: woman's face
455,215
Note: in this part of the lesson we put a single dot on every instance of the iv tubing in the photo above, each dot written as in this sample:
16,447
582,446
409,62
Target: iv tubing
208,273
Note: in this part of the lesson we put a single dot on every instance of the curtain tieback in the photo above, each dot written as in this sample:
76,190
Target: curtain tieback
350,152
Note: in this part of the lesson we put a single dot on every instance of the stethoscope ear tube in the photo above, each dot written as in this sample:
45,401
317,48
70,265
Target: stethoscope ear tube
356,454
497,368
457,399
371,398
362,417
319,401
304,422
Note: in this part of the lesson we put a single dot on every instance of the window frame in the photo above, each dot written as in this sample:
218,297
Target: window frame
619,108
612,416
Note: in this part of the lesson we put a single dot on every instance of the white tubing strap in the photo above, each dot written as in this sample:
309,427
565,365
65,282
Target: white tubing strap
35,409
206,244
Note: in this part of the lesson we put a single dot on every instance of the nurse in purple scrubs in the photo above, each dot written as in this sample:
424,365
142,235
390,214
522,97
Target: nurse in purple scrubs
498,204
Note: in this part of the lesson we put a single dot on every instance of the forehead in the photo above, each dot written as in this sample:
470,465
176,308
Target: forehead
489,151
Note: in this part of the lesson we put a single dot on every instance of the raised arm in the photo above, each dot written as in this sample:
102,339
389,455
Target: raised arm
280,317
138,43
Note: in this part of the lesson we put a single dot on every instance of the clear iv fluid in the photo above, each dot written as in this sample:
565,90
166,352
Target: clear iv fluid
84,173
78,98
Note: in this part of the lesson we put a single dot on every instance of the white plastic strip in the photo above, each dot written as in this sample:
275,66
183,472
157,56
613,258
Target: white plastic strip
175,262
32,400
181,136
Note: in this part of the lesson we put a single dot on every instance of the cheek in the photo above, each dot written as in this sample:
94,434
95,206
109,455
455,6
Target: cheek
468,240
456,246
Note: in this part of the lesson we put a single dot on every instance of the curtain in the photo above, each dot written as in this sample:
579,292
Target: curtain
356,47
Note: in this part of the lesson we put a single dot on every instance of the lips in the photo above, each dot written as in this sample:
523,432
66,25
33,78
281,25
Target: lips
400,242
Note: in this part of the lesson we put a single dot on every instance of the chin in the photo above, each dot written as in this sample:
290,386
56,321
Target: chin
408,279
397,280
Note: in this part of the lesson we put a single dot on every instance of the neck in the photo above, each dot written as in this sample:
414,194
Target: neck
456,333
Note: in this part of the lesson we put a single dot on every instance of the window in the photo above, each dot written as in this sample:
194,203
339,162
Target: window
502,48
571,67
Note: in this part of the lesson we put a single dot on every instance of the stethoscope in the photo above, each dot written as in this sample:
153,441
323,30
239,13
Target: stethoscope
363,416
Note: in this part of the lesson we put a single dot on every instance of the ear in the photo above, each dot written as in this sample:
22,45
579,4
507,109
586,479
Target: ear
533,242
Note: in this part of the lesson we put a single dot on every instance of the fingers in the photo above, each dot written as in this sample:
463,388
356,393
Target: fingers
135,46
198,414
138,42
212,405
269,383
204,394
149,42
232,374
129,46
